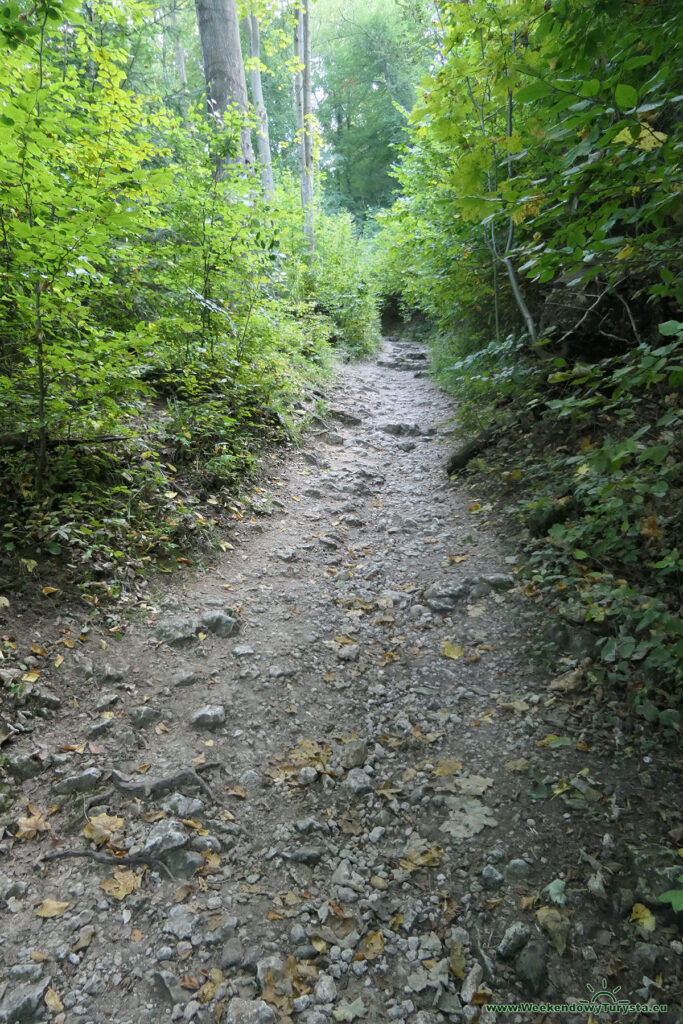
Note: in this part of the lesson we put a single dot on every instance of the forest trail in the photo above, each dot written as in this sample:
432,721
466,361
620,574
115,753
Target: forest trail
322,761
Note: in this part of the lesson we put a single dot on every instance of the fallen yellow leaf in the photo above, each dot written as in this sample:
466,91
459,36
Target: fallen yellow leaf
643,917
454,651
102,827
31,825
371,947
53,1002
52,908
122,884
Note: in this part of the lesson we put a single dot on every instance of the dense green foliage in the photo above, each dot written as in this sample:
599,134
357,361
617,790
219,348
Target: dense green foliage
537,231
159,318
371,56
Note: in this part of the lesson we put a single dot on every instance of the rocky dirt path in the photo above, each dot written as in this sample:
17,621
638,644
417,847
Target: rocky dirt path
319,766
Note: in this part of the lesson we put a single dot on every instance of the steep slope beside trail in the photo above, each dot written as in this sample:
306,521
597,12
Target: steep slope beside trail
320,762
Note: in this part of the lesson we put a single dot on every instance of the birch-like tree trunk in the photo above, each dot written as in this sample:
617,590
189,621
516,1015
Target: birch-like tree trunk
251,31
309,208
304,119
179,60
219,37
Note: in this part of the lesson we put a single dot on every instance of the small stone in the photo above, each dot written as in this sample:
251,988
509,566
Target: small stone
272,970
165,836
180,922
107,700
101,728
491,877
233,951
84,782
325,990
191,1010
23,1003
144,715
349,652
185,678
182,806
530,966
377,882
472,983
26,766
307,776
354,753
400,429
499,581
211,716
249,1011
169,987
183,863
516,936
306,854
444,595
516,870
11,887
357,781
286,554
242,651
223,624
251,780
178,631
648,957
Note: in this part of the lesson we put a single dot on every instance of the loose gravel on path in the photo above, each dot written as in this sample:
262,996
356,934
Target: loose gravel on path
319,765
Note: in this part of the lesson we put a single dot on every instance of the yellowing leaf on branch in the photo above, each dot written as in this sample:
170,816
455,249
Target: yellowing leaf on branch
650,528
646,139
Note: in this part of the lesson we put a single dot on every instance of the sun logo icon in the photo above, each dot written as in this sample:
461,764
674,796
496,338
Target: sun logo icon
604,996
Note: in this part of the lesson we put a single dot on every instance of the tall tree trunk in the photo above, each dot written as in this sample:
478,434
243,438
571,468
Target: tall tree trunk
179,60
251,31
298,88
219,37
302,107
309,209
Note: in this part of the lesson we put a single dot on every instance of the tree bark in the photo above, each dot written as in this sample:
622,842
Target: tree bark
309,209
302,108
219,37
298,89
251,31
179,60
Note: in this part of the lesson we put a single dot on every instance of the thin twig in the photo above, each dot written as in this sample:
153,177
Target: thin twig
105,858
